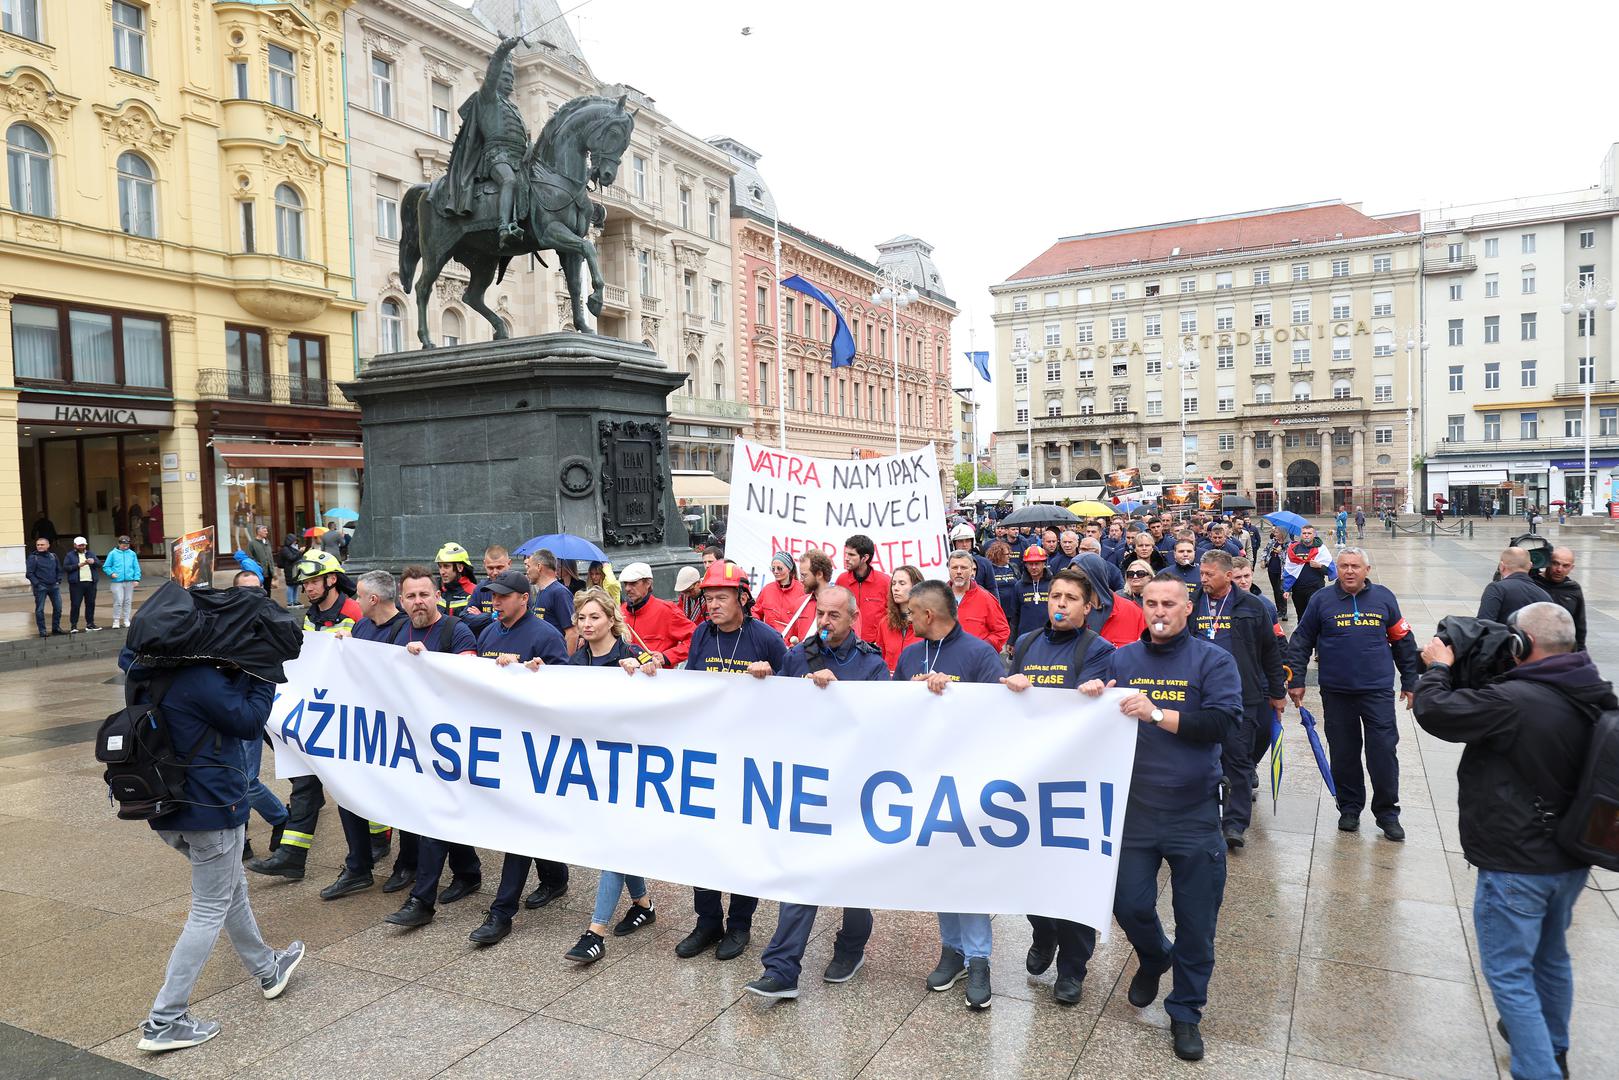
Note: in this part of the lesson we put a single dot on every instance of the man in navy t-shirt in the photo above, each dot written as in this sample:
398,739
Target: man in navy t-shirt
730,640
553,601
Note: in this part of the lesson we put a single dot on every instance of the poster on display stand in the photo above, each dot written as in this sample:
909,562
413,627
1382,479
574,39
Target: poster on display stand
191,557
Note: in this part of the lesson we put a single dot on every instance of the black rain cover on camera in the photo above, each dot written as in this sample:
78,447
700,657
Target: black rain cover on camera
241,626
1485,650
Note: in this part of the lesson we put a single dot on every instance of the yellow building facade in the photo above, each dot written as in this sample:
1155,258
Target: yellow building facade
176,281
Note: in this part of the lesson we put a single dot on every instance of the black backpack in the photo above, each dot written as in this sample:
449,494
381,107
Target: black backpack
143,776
1589,829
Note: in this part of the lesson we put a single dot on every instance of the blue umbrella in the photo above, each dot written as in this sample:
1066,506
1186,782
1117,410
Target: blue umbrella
1128,506
563,546
341,514
1308,721
1276,759
1287,520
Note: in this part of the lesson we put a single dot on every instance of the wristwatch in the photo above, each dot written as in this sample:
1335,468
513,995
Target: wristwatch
1156,716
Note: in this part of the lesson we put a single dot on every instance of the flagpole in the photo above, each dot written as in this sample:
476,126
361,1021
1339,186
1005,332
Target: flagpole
897,291
781,372
972,346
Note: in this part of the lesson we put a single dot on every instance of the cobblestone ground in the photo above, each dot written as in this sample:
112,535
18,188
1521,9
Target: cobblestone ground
1339,955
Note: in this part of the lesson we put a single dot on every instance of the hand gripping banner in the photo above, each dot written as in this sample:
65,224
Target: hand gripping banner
878,795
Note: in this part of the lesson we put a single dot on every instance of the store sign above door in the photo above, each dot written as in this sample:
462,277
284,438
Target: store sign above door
93,415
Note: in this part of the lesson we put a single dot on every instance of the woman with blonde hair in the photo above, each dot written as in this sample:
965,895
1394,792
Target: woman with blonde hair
602,637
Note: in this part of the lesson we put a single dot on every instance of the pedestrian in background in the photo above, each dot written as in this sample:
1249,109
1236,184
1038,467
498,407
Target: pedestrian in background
123,569
1526,736
1564,590
1513,590
82,568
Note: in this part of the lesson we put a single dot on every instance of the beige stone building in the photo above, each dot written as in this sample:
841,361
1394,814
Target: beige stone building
666,248
176,298
1264,350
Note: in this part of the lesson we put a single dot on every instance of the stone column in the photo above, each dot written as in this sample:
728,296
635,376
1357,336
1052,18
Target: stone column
275,364
1131,449
1278,470
1326,469
1067,456
1107,455
1247,481
1357,472
14,516
632,290
1037,463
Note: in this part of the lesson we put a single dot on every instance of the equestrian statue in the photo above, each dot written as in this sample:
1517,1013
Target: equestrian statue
503,197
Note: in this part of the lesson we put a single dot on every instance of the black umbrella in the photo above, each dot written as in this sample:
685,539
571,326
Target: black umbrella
1237,502
1040,514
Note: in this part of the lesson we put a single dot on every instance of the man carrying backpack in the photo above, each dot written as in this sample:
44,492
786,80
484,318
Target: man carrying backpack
209,711
1527,737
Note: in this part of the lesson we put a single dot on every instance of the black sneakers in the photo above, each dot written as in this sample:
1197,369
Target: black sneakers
978,982
842,968
951,970
771,986
733,944
590,949
634,919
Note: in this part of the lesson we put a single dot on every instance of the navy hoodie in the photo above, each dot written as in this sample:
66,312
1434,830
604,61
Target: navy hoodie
1199,680
963,657
1047,658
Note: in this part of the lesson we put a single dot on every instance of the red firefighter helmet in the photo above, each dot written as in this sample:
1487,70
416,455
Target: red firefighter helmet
724,574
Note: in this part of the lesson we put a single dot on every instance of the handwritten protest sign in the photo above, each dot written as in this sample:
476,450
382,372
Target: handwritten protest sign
782,501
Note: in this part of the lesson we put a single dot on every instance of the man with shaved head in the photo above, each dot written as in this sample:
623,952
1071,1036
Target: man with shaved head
1564,590
1515,589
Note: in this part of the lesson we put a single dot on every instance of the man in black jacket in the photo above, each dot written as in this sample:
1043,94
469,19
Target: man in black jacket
1238,622
1514,589
1564,590
1526,737
45,575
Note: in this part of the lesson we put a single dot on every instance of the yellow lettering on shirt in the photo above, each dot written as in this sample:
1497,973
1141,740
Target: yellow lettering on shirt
725,665
1046,674
1161,690
1348,619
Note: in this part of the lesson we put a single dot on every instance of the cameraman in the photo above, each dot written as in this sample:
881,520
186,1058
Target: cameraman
1526,735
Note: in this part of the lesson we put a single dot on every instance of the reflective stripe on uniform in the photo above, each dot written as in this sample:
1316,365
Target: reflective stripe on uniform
377,828
297,839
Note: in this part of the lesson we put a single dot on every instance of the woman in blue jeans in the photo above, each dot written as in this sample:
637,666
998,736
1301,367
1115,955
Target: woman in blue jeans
602,643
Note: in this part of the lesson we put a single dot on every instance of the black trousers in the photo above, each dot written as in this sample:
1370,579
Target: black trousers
1353,721
1075,943
514,876
1238,757
711,910
303,812
430,856
82,592
1276,591
1301,597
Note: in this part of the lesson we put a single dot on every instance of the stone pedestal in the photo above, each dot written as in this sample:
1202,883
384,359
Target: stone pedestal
497,442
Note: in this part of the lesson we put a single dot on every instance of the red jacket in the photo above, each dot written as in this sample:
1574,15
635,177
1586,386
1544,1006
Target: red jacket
980,615
660,627
872,596
776,607
1125,623
893,642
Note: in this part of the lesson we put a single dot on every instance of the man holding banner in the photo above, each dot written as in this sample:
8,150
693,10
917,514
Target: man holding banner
730,642
835,653
943,656
1188,703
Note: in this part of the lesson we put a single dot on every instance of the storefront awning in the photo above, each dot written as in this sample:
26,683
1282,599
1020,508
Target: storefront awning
265,455
700,487
984,495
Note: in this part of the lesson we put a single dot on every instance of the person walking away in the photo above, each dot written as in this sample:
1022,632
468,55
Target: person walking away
1307,565
729,642
123,569
82,568
44,576
1064,655
259,797
946,654
869,584
834,653
1356,628
1513,590
1237,621
431,630
1564,590
210,710
1360,524
1187,702
1525,736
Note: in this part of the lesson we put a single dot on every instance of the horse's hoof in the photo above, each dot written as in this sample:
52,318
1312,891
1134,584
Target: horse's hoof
595,305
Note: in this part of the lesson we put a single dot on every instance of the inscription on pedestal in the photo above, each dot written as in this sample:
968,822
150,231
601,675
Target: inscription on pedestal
632,482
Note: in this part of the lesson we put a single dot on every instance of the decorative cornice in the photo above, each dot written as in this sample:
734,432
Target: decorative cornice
29,93
133,123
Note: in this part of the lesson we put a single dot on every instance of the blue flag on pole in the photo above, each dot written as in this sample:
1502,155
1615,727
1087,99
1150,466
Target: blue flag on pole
842,339
981,362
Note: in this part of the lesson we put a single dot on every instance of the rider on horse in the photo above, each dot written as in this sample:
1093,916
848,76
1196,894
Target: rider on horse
491,145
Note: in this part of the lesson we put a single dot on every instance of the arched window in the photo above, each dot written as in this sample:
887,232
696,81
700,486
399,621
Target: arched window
289,223
452,328
691,374
391,327
1262,393
1121,403
719,379
1341,388
1087,406
137,196
28,165
1301,391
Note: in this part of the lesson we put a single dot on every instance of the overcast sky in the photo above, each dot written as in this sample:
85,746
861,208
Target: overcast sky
990,130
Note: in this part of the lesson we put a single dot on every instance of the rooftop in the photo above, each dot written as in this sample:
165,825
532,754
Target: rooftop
1306,223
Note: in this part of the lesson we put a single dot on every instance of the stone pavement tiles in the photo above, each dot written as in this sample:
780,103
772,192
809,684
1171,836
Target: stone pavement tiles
1340,956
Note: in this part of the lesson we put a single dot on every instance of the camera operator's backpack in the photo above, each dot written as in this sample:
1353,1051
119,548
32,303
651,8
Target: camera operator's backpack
143,775
1589,829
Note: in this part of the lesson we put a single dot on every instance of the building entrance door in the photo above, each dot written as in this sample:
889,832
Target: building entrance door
292,503
1304,487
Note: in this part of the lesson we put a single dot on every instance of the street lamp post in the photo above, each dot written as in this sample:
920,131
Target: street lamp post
897,291
1188,365
1416,341
1027,357
1585,295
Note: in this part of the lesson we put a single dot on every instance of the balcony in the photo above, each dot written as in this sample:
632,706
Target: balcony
1322,407
1558,443
614,296
1577,390
220,384
690,320
1450,266
683,406
1085,420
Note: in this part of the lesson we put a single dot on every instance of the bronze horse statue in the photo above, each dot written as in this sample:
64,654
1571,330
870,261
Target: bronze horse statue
580,145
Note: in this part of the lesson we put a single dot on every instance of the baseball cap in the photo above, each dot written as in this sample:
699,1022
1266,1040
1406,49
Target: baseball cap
686,578
635,571
78,540
507,582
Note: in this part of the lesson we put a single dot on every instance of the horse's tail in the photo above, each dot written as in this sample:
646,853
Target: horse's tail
410,250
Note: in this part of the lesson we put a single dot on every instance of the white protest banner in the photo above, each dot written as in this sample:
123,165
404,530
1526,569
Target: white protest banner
877,795
782,501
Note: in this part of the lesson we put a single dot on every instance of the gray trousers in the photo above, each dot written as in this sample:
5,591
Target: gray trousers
218,899
123,600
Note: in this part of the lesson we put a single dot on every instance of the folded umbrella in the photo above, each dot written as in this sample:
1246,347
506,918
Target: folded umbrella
1275,758
563,546
1288,520
1308,721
